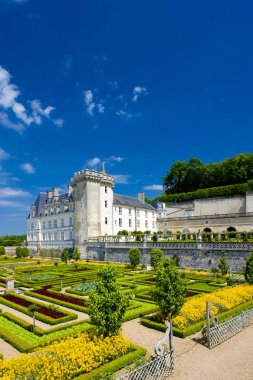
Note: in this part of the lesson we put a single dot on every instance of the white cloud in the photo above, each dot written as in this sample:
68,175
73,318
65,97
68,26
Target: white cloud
154,187
58,122
139,91
6,178
121,179
3,155
124,114
88,99
9,93
112,159
9,192
14,204
28,168
7,123
101,108
93,162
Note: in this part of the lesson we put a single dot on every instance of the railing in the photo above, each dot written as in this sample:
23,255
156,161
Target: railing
167,217
220,332
215,246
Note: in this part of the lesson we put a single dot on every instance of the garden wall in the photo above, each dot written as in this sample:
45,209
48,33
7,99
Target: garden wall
188,257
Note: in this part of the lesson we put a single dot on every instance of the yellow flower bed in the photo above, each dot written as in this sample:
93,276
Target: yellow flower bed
66,359
194,310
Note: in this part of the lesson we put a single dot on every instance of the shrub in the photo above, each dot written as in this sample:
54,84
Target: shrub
155,256
223,264
2,250
134,257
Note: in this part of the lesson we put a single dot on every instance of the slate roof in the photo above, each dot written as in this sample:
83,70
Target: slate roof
42,198
130,201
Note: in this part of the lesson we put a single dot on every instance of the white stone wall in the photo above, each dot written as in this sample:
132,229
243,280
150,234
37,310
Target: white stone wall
133,219
106,209
51,231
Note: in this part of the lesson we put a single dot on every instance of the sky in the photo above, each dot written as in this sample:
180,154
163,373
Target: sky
135,84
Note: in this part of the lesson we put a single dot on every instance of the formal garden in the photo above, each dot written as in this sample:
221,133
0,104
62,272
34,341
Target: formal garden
65,316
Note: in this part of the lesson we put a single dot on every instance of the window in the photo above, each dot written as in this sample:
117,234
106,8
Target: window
120,222
31,236
130,211
153,224
146,214
106,221
130,222
49,236
49,225
146,224
44,225
62,235
55,236
70,221
105,189
32,226
62,222
70,235
105,203
115,221
120,210
138,223
43,236
138,213
153,215
55,223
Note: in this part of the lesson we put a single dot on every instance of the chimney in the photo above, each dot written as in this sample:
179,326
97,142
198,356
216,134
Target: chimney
55,192
70,189
49,194
141,196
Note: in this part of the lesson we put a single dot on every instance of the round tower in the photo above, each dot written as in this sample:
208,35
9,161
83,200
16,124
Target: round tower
93,204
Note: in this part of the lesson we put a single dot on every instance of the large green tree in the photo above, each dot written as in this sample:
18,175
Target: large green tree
183,177
107,305
170,288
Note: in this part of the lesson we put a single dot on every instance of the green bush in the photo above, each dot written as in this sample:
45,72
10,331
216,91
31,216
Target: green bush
2,250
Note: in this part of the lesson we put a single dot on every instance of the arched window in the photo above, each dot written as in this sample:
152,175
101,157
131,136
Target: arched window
208,230
231,232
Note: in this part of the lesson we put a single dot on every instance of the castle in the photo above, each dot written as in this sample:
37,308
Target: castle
89,208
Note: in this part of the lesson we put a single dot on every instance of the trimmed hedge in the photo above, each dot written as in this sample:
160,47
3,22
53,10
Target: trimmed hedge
114,365
211,192
144,309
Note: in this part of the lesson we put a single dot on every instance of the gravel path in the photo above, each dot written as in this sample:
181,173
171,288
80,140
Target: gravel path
7,350
232,360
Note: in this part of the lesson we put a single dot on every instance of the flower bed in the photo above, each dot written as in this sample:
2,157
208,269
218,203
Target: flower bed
66,359
60,297
41,309
47,314
194,310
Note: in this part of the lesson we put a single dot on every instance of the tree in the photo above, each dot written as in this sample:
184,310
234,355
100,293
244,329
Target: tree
170,288
64,255
134,257
25,252
19,252
76,254
76,267
223,264
56,266
33,308
107,305
248,270
155,256
2,250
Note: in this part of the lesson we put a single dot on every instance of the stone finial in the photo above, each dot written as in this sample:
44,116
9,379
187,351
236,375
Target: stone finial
103,168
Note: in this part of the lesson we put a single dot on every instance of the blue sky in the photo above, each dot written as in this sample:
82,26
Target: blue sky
136,84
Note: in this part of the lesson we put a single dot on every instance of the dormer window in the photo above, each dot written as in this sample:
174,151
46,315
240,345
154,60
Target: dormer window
105,189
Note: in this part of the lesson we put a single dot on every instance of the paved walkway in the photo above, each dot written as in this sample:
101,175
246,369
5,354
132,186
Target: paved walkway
231,360
7,350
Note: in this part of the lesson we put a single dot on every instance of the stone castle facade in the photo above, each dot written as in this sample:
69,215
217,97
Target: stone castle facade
89,209
217,215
